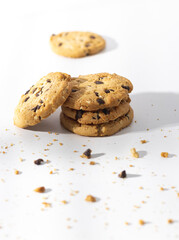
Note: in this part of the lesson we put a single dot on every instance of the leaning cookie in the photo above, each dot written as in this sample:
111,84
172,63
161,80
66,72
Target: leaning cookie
97,117
42,99
76,44
98,91
98,130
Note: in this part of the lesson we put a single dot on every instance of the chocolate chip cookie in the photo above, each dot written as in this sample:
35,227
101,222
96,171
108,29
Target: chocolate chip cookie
105,129
98,91
76,44
97,117
42,99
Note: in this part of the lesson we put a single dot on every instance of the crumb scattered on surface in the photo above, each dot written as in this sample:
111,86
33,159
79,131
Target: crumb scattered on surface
46,204
87,154
131,165
61,144
164,154
126,223
161,188
140,187
40,189
170,221
92,163
71,169
141,222
122,174
90,198
64,202
134,153
16,172
51,172
38,161
143,141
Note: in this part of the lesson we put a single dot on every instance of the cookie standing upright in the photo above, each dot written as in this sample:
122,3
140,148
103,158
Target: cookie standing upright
98,91
42,99
76,44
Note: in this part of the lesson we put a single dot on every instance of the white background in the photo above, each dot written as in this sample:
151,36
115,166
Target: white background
143,45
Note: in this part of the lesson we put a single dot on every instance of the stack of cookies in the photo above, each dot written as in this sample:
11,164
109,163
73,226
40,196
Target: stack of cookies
98,105
92,105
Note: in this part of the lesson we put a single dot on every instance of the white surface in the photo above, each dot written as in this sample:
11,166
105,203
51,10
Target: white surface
142,44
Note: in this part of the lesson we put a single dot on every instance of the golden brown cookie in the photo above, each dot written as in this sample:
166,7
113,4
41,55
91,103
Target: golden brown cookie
42,99
76,44
98,91
98,130
97,117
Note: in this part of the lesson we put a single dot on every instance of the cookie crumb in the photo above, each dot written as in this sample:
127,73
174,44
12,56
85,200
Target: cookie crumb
161,188
131,165
126,223
51,172
164,154
40,190
141,222
134,153
38,161
92,163
61,144
87,154
141,187
71,169
16,172
64,202
170,221
90,198
21,159
122,174
46,204
143,141
55,140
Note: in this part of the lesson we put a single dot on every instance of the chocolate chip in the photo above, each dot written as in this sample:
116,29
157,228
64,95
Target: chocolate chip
126,115
107,91
126,87
38,161
98,117
111,90
60,44
79,114
34,90
97,94
27,92
26,99
39,117
122,174
53,34
98,82
87,153
92,37
106,111
87,44
36,108
74,90
100,101
37,94
48,80
41,101
101,78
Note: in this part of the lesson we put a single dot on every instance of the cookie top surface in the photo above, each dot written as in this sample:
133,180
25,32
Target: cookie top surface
42,99
97,117
97,130
76,44
98,91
